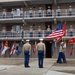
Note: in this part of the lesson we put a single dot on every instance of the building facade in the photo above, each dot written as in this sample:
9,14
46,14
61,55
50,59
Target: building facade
22,15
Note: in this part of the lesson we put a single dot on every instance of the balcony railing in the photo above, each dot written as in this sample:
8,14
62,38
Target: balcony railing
26,14
35,14
26,34
65,13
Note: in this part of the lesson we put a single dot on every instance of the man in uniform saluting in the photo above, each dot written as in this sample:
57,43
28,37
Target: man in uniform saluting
27,52
41,51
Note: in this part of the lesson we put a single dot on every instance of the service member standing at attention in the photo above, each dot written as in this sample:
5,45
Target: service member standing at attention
58,11
27,52
41,51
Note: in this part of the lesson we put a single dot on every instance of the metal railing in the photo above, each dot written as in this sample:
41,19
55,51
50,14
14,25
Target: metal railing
27,33
36,14
65,12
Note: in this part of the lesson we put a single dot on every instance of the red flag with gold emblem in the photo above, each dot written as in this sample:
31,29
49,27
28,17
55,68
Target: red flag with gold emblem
58,39
71,41
5,47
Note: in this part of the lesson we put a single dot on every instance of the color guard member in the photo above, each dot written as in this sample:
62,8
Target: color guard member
61,55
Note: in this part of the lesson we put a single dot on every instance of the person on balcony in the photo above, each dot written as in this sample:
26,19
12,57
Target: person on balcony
31,31
12,13
31,12
27,51
48,31
70,11
4,32
58,11
21,12
48,11
71,30
4,14
39,31
22,32
12,32
40,12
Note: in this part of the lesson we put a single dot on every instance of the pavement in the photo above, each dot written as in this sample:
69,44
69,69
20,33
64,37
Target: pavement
48,69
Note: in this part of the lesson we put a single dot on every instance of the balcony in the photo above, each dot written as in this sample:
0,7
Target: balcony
26,35
16,17
65,15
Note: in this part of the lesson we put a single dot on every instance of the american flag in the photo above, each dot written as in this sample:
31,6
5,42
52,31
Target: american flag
58,32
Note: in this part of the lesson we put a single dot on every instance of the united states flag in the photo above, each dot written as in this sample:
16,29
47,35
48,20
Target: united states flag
58,32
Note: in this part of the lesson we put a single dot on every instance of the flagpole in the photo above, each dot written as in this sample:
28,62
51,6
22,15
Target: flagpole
73,52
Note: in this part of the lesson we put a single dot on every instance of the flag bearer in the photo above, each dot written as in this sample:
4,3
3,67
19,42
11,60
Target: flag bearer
41,51
27,52
61,55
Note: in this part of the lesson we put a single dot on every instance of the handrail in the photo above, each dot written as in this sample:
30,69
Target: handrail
27,33
35,13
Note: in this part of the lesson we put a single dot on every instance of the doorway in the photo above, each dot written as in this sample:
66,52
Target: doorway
48,49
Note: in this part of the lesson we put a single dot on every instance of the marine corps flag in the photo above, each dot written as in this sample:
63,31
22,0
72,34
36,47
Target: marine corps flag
5,47
71,41
59,39
71,50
